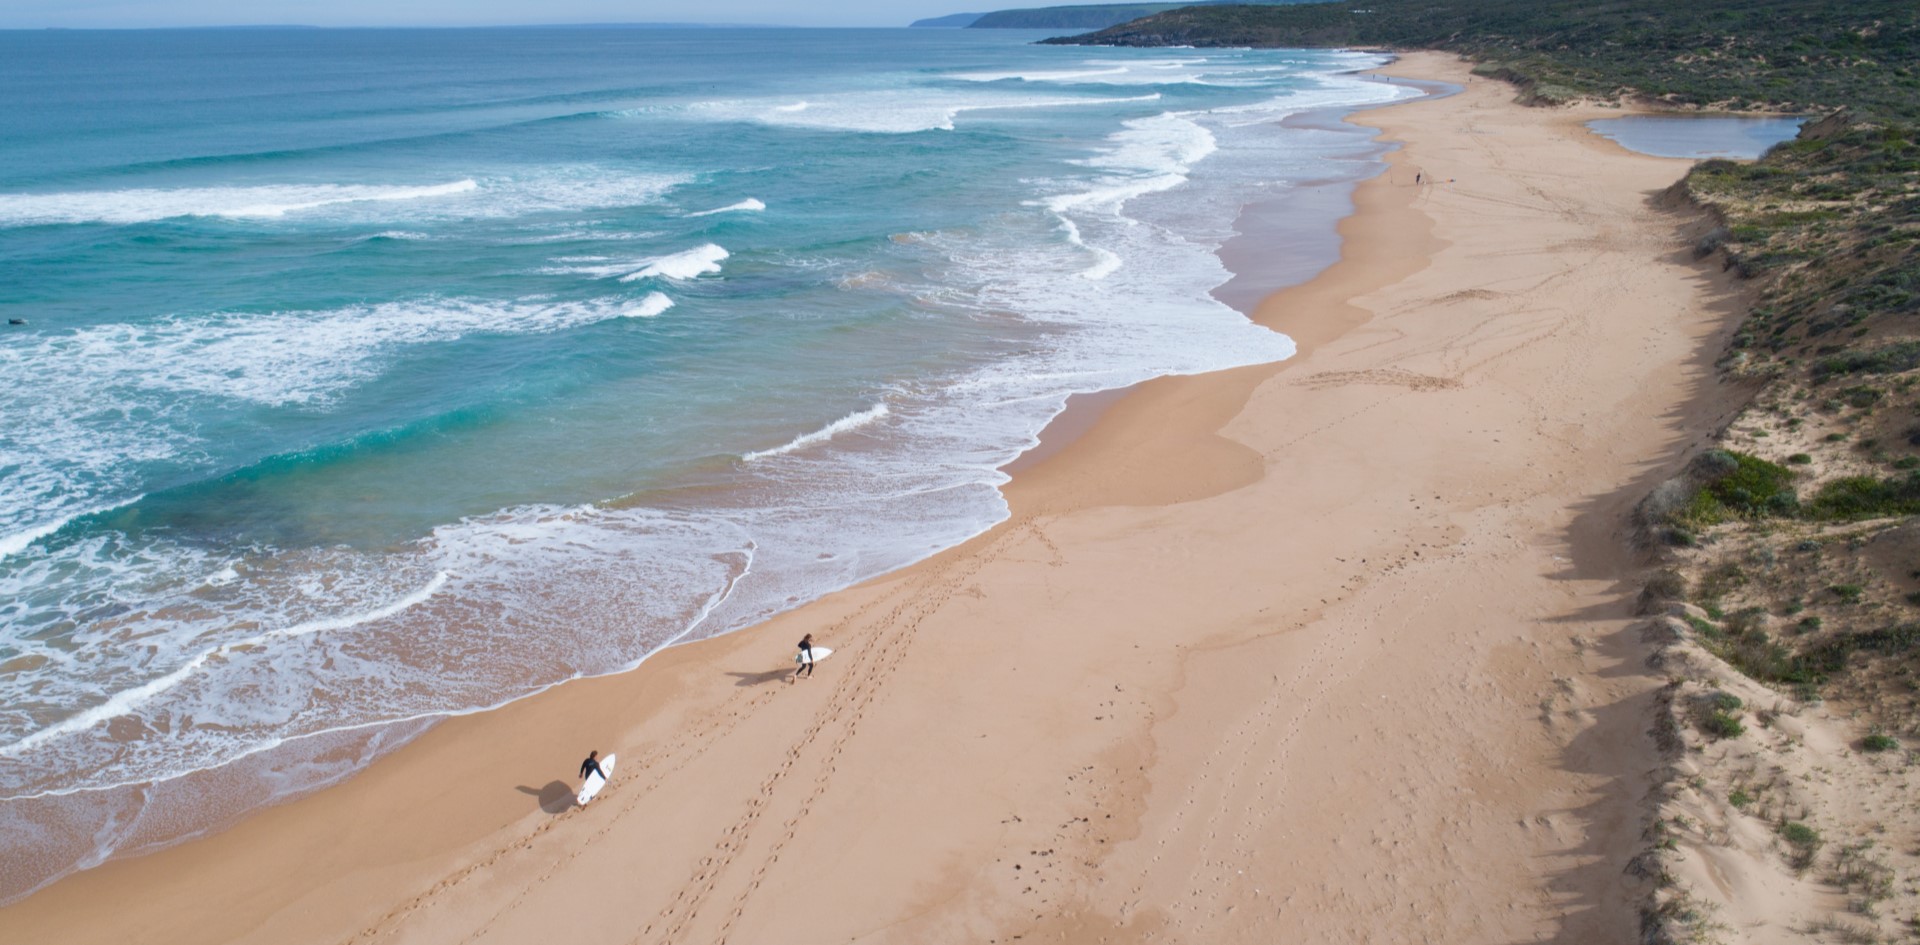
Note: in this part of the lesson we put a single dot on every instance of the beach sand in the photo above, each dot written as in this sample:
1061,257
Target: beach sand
1333,650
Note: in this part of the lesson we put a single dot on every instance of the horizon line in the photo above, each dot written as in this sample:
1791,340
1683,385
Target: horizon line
664,24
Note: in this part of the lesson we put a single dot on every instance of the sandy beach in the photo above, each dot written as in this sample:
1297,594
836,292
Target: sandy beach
1333,650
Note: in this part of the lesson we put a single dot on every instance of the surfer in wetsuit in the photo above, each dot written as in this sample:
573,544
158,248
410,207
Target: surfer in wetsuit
592,766
806,658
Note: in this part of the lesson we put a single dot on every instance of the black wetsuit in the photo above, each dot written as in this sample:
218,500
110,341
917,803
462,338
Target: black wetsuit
592,766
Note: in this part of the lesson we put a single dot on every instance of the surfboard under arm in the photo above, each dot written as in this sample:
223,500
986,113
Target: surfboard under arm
595,782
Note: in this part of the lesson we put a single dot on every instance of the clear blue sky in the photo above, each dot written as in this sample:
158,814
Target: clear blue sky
34,14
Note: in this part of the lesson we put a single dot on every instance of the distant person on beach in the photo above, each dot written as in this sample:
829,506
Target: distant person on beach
592,766
1416,179
806,658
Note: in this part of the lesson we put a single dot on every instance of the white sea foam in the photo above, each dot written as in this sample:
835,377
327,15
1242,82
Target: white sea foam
126,701
269,358
687,264
895,112
506,195
140,205
748,204
1225,69
652,305
86,408
20,540
429,651
846,424
1044,75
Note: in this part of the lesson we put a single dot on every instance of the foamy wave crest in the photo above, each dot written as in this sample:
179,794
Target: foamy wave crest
902,112
300,643
20,541
581,187
1229,68
272,358
515,194
653,304
749,204
1146,156
1044,75
848,423
126,701
689,264
1330,90
1144,72
86,409
143,205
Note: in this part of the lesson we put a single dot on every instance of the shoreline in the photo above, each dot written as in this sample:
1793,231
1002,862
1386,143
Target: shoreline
133,802
1143,481
1326,199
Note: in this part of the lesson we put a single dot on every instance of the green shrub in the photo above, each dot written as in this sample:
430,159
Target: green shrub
1888,359
1666,584
1800,459
1805,842
1739,798
1735,485
1862,396
1848,593
1799,834
1725,701
1878,742
1723,725
1821,661
1704,628
1852,498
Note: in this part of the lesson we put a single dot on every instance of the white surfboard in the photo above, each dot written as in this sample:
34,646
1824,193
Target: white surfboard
819,653
595,782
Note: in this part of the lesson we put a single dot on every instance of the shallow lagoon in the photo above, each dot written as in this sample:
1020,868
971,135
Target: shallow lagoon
1698,137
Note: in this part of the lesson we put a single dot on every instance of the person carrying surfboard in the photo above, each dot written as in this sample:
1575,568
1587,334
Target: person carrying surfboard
805,658
591,766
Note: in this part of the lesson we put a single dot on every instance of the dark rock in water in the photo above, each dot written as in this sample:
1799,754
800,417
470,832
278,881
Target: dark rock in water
16,321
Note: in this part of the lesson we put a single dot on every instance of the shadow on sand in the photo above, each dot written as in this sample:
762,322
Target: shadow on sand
755,679
555,798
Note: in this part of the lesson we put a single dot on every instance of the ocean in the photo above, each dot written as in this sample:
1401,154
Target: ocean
369,377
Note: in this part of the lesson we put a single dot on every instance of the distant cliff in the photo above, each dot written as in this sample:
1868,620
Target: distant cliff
1070,18
1084,17
951,21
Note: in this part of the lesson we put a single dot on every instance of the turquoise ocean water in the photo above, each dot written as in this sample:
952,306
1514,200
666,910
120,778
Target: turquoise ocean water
370,377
